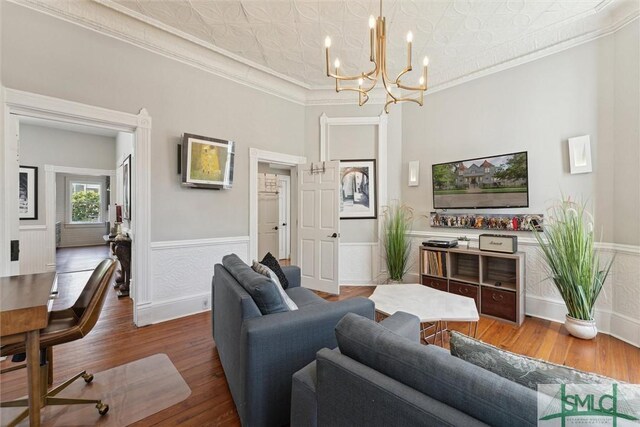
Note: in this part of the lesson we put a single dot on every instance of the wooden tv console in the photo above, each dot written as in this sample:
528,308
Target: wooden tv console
494,280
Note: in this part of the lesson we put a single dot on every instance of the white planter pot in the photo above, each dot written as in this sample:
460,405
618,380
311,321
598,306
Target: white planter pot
583,329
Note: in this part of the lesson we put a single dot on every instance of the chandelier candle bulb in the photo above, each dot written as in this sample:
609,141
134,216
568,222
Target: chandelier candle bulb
372,36
327,42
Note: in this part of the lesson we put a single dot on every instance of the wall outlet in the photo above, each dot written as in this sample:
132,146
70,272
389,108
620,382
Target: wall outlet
205,303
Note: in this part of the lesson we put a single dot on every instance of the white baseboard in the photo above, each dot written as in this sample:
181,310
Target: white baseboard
614,324
162,311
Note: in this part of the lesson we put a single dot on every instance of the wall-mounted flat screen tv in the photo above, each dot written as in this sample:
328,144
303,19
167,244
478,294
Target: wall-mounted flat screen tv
486,182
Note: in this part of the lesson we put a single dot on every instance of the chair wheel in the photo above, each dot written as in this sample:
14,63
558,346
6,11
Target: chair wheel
87,378
103,408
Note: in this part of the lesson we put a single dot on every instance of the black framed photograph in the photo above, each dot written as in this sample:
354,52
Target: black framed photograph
207,162
358,189
126,188
28,192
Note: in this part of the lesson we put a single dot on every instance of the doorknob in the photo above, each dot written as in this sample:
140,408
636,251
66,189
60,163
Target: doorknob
275,228
284,224
334,235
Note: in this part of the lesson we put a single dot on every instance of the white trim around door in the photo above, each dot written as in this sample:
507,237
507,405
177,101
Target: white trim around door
256,156
25,104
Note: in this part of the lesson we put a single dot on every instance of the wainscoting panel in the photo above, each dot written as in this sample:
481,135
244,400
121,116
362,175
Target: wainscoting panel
34,257
618,307
181,275
359,263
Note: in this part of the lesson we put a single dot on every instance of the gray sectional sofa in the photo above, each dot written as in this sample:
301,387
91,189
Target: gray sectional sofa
380,375
260,353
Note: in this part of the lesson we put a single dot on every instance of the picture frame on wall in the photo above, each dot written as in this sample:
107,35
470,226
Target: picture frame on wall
28,193
358,190
207,162
126,188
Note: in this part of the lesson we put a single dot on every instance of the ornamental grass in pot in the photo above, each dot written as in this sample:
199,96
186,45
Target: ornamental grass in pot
568,247
397,223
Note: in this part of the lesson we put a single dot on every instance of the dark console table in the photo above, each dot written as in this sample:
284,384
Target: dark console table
121,248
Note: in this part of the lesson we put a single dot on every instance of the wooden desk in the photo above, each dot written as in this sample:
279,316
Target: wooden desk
25,302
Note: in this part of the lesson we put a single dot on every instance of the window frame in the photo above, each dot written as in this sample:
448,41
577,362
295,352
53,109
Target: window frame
70,182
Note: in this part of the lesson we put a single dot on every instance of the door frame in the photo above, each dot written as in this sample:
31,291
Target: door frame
381,122
255,156
287,216
20,103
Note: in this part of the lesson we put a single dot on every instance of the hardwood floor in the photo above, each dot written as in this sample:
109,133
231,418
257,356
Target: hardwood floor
188,343
80,258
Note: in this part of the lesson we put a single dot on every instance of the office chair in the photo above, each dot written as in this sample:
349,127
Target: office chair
65,326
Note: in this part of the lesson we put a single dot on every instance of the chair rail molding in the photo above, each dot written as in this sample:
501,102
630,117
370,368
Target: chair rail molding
26,104
256,156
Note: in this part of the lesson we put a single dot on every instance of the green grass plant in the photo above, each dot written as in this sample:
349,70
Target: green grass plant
568,247
397,223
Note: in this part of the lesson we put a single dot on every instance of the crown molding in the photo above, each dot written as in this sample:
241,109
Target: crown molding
110,18
105,18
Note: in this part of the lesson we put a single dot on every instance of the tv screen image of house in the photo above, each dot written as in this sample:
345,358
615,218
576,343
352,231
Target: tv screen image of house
486,182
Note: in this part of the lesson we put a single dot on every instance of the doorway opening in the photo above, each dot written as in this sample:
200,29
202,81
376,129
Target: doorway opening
62,114
274,211
277,161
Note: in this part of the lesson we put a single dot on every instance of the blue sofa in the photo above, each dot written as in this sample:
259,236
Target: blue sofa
380,375
260,353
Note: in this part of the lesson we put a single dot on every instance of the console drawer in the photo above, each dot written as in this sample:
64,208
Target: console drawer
432,282
499,303
466,290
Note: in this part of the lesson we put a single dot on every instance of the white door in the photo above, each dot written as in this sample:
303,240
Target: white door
319,226
284,212
267,224
10,265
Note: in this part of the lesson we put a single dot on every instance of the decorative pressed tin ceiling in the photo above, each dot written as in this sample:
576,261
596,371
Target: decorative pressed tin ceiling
460,37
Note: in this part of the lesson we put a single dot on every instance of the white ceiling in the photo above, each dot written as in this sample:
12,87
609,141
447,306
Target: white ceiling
461,37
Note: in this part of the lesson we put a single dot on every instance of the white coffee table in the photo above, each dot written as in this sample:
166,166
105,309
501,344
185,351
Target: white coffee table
428,304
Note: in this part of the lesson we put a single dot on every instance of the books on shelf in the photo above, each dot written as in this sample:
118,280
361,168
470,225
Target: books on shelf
434,263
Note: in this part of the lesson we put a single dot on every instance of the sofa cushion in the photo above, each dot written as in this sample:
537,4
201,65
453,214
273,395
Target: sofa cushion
304,297
262,289
433,371
270,261
266,271
518,368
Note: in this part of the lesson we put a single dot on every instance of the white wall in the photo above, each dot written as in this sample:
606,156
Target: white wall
534,107
626,187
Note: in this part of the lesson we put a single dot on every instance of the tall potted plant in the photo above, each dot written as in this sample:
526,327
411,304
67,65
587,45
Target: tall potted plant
397,222
568,247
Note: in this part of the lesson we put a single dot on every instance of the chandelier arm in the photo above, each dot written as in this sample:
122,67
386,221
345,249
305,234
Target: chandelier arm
415,88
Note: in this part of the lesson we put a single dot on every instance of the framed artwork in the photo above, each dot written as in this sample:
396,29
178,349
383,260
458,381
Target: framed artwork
28,193
207,162
358,189
126,188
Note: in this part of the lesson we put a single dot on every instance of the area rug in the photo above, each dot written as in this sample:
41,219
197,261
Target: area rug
133,392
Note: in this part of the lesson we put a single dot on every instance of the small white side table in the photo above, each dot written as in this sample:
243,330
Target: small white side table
428,304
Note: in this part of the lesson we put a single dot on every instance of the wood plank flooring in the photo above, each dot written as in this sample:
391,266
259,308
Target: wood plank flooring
188,343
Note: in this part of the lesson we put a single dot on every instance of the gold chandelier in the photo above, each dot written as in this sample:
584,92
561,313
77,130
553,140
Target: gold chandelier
367,81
